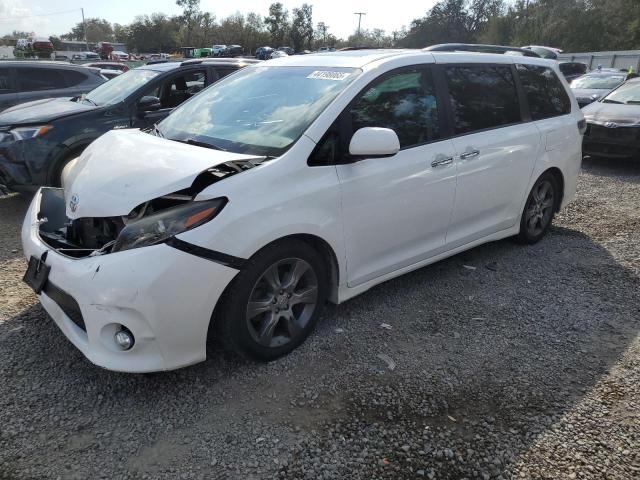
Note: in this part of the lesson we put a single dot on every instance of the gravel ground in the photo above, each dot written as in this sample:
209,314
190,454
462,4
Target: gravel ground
527,366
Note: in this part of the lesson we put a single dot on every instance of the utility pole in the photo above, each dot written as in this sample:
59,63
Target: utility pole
360,14
84,27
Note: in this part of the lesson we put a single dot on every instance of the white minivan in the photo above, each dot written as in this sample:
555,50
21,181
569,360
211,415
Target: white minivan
291,183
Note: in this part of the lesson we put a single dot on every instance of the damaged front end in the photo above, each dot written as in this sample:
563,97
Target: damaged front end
152,222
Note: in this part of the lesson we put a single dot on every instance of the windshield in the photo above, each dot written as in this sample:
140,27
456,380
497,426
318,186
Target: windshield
119,88
628,93
602,82
258,110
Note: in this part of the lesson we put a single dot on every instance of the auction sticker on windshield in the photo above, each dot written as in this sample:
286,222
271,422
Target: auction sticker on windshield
328,75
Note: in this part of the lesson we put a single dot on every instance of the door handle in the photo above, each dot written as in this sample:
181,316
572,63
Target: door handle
470,154
442,160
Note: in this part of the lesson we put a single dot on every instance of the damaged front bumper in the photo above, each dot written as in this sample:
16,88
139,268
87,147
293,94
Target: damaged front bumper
24,163
163,295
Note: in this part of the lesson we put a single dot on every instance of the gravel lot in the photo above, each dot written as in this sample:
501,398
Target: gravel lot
527,366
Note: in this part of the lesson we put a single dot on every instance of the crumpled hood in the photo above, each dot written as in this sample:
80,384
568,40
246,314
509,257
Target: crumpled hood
43,111
125,168
623,115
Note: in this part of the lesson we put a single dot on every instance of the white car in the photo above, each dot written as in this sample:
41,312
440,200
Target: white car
119,55
278,54
290,183
218,50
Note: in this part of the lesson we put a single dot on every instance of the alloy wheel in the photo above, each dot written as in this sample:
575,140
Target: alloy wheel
539,210
282,302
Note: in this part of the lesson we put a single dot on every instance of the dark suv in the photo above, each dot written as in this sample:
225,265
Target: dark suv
37,139
23,81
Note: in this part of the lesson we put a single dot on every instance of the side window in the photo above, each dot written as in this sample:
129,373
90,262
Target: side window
181,88
6,83
545,94
73,77
482,97
34,79
404,102
223,72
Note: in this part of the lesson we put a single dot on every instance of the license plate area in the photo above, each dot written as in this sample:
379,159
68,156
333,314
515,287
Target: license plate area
37,273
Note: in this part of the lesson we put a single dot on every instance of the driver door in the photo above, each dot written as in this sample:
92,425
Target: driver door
396,210
171,92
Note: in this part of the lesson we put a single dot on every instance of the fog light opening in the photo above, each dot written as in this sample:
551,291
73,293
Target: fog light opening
124,338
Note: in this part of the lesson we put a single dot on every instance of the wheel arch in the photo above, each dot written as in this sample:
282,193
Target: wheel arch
559,177
61,155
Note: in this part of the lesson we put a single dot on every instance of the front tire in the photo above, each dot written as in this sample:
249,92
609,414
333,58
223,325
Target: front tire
274,303
539,209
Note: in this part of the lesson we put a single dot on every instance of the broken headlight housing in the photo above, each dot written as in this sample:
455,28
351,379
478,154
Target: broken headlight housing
159,227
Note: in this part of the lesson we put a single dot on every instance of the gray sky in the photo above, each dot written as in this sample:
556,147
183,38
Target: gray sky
338,14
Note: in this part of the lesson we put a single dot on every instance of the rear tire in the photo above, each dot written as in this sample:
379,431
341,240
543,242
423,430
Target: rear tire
274,303
539,209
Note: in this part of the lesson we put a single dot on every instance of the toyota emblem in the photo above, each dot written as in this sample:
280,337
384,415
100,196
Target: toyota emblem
73,203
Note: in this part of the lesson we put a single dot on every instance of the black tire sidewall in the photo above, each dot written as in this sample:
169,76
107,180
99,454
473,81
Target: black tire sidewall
524,236
233,314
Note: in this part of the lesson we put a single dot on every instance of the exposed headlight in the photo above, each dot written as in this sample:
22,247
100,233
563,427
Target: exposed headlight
158,227
25,133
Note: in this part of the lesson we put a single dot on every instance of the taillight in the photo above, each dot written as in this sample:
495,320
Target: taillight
582,126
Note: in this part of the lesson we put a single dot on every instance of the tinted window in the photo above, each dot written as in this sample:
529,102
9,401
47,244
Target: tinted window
6,84
73,77
545,93
181,88
573,68
33,79
223,72
404,102
482,96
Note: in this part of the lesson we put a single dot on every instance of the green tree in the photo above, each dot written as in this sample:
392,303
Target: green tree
190,16
302,27
98,30
56,42
277,23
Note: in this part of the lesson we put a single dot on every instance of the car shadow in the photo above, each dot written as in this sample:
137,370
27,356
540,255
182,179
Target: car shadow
498,342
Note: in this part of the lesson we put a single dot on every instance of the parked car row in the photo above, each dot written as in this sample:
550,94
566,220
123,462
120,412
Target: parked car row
39,138
227,51
289,183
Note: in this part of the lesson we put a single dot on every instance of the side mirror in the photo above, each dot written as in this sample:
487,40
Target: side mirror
374,142
149,103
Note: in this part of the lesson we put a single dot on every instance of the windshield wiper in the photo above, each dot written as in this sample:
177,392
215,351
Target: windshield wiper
196,143
90,101
606,100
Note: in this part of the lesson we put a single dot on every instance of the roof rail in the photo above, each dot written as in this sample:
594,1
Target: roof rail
479,48
153,62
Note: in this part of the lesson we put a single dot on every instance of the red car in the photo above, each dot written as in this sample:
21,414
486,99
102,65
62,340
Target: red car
109,66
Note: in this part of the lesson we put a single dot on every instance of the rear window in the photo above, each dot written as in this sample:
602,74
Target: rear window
482,97
545,94
573,68
34,79
73,77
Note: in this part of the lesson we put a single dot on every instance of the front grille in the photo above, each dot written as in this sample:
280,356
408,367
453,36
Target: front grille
66,303
619,134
